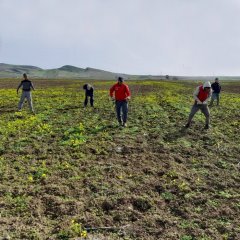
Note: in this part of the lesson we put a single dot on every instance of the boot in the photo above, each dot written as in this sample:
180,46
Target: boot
206,126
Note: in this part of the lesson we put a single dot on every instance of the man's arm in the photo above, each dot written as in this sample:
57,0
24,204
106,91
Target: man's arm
128,93
195,95
32,86
19,87
112,89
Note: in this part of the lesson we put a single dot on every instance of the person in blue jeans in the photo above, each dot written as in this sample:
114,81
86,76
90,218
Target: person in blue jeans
216,87
120,93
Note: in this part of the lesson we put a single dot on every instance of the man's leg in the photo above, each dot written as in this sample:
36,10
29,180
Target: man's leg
118,110
86,101
29,99
20,104
125,111
218,98
206,112
194,109
91,101
211,102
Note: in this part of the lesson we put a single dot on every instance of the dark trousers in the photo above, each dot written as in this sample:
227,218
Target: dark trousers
204,109
122,111
86,100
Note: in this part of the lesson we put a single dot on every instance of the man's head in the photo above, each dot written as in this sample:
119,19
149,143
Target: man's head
120,80
216,80
88,86
25,76
207,86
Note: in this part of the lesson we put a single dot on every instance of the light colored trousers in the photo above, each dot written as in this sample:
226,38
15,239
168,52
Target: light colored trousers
28,96
215,96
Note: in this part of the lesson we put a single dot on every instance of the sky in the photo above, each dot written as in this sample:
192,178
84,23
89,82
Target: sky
174,37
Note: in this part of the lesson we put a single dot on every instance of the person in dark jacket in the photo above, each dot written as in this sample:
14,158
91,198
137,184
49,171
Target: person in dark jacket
27,86
88,94
120,93
216,87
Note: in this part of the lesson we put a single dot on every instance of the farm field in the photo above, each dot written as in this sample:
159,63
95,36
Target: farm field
70,172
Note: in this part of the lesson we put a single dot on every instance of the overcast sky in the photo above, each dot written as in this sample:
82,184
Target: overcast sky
175,37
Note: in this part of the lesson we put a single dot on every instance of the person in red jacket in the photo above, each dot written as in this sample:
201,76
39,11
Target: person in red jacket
121,94
201,96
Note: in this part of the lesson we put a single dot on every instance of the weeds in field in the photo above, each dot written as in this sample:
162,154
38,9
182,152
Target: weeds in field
68,162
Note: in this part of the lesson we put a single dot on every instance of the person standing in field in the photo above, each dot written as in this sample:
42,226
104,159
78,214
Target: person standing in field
88,94
120,93
201,96
27,86
216,87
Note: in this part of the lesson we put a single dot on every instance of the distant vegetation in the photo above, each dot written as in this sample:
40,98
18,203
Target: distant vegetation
72,72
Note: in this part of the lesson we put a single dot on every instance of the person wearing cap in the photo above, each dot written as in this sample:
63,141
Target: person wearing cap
88,94
27,86
201,96
216,87
120,93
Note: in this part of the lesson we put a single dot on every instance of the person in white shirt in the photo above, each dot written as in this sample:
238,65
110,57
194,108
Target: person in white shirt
201,95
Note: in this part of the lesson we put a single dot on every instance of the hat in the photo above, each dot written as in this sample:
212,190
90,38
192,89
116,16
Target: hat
207,85
120,79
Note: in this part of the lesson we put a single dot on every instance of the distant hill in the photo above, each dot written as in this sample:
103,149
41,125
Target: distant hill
67,71
72,72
